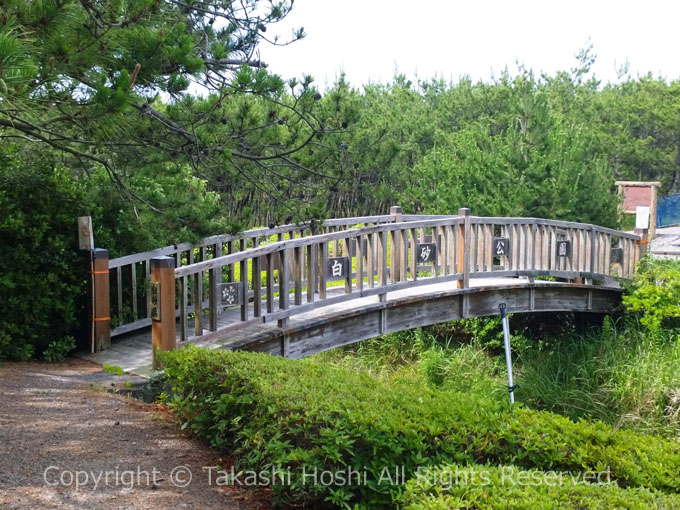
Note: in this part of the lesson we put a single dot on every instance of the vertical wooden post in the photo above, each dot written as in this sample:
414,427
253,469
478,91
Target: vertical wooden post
197,298
323,261
215,279
312,270
360,262
270,282
397,246
243,269
163,330
100,312
284,285
298,267
347,252
652,211
463,248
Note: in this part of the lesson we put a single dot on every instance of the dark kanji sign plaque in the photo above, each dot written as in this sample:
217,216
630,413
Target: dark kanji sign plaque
426,252
337,268
231,293
564,248
501,247
616,255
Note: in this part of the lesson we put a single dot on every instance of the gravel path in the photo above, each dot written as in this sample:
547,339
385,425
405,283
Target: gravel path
58,425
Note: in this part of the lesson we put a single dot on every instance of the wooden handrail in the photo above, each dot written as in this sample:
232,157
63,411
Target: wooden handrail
246,234
305,241
383,248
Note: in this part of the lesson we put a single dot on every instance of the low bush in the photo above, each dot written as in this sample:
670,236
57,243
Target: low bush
59,349
654,293
302,418
509,488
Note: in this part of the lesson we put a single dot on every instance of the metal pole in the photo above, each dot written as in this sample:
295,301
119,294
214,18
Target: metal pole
508,356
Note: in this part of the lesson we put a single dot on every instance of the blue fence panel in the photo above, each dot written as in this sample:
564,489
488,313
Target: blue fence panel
668,210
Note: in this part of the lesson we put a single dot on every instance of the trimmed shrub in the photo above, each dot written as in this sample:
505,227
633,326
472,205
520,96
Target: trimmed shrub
302,418
509,488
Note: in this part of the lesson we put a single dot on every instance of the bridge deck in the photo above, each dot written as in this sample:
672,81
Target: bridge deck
132,352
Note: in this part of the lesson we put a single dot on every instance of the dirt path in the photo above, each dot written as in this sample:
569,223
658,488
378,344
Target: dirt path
59,428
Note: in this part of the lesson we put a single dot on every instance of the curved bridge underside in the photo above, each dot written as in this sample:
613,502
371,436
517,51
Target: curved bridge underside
347,323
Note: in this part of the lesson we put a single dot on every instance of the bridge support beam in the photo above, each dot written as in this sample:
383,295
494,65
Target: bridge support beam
348,326
163,307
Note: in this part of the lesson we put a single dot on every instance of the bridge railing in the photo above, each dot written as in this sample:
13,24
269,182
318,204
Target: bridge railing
560,249
273,282
129,275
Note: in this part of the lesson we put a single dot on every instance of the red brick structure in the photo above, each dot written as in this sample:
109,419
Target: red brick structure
639,193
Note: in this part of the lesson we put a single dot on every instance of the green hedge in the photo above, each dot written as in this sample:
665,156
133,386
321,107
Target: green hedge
507,488
274,412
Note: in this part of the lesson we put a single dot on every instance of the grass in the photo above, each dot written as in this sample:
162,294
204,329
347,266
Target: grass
623,377
617,374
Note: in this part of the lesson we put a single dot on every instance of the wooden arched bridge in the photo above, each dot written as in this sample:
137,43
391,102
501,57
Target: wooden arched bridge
295,290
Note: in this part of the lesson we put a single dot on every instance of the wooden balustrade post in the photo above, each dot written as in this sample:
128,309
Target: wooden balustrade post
99,306
162,306
397,246
463,248
284,283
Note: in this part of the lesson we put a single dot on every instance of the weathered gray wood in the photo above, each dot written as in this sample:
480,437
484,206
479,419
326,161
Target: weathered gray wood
257,286
323,262
347,252
414,258
465,213
371,250
292,243
131,326
214,300
284,284
532,240
351,322
298,264
393,256
403,262
232,266
183,312
197,296
119,292
133,281
312,251
383,259
360,249
270,281
419,219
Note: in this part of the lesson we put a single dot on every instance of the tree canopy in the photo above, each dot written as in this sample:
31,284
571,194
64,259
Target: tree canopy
128,82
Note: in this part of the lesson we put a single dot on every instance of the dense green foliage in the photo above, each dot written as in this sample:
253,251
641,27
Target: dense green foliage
43,272
507,488
654,293
301,416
